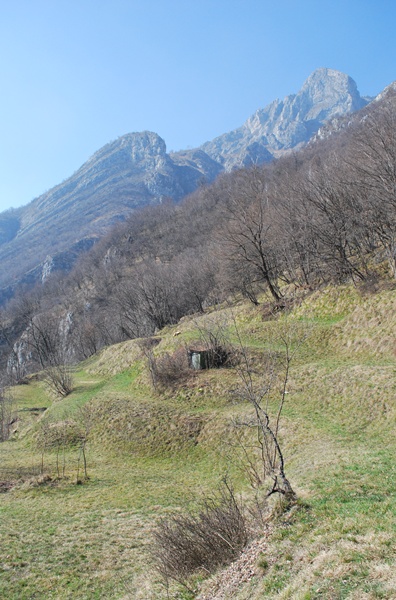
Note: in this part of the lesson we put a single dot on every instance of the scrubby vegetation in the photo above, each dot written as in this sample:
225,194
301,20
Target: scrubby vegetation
205,541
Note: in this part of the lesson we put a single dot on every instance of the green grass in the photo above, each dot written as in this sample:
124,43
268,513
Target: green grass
150,453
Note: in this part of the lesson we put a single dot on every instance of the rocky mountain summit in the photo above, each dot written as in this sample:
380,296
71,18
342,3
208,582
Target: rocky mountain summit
289,123
135,170
131,172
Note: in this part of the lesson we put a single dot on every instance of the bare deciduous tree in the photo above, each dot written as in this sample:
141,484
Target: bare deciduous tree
248,235
335,222
48,341
265,389
372,157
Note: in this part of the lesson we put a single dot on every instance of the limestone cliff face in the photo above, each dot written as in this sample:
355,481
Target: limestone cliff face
289,123
135,170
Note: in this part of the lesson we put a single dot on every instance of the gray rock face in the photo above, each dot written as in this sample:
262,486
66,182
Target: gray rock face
289,123
135,170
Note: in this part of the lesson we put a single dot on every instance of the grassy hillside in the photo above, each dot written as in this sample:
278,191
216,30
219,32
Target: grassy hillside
150,453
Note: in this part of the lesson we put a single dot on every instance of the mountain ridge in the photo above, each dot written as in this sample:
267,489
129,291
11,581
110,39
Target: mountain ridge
136,170
288,123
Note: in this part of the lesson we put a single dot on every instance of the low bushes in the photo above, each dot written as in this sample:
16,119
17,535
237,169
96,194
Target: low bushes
211,538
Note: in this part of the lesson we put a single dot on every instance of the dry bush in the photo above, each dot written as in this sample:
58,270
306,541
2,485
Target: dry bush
215,341
214,537
59,380
169,370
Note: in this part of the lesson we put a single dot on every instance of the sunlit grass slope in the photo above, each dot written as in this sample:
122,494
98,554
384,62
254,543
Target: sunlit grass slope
150,453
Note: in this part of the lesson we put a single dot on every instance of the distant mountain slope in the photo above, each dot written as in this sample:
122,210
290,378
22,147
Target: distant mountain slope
135,170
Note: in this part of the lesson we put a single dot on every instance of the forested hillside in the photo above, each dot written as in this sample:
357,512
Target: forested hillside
323,215
136,170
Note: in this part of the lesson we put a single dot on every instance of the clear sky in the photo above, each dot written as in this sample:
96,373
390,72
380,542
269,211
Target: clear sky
76,74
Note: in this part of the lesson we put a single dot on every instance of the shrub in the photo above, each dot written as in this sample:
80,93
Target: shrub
59,380
168,370
214,537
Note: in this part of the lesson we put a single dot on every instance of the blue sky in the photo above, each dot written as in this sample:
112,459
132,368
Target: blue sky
76,74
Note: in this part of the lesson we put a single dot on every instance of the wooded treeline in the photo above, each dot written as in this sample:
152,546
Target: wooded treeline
325,214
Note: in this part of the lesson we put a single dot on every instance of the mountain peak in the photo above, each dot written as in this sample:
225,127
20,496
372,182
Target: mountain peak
335,89
326,74
132,147
288,123
390,89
